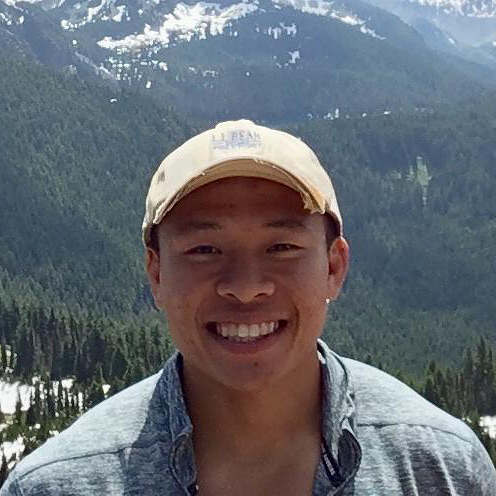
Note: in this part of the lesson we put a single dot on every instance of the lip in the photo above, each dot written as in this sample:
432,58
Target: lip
260,344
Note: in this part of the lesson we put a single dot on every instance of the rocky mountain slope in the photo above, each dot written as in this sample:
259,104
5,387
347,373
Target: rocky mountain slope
273,60
463,27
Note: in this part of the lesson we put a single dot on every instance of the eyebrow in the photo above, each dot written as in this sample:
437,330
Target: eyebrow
199,225
196,225
286,224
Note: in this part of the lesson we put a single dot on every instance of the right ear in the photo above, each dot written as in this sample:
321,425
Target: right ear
152,264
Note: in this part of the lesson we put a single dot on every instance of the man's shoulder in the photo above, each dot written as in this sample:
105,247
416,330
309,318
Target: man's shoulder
108,428
382,400
401,433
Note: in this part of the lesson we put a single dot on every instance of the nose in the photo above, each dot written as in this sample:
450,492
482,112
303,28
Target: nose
244,282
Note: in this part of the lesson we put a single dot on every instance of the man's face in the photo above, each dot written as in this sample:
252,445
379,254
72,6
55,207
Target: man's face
243,272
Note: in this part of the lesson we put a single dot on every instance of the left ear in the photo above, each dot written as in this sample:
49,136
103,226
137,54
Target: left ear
152,265
338,256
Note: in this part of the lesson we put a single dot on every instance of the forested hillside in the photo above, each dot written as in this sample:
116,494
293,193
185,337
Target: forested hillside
416,192
75,163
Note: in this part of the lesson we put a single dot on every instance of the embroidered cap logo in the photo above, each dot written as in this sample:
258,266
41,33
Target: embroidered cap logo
238,138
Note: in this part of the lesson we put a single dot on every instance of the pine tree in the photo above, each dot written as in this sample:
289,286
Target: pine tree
4,470
18,416
31,418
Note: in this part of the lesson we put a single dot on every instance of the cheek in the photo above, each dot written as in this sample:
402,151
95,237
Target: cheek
311,274
182,293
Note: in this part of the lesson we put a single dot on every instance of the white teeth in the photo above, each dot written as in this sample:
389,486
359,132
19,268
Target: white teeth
254,330
243,331
246,332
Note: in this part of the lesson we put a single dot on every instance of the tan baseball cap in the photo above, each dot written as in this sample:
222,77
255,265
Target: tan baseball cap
239,148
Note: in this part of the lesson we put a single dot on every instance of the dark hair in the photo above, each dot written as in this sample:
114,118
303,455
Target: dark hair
331,227
153,243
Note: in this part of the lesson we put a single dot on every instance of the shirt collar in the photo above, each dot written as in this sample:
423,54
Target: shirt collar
338,421
181,456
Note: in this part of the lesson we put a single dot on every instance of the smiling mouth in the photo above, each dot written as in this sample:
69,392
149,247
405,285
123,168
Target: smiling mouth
246,333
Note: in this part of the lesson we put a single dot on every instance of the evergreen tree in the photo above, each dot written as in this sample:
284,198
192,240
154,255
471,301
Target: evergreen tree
4,470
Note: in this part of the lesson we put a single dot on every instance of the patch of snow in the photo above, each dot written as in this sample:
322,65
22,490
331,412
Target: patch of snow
148,85
105,11
324,8
184,23
451,40
20,20
13,448
163,66
294,56
247,73
290,30
94,11
113,100
488,423
13,3
387,112
5,19
10,392
210,73
99,70
74,42
121,9
66,383
317,7
467,8
274,32
277,31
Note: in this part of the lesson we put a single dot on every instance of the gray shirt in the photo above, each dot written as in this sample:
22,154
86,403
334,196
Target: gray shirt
379,438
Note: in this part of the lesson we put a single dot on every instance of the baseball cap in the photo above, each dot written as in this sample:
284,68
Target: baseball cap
239,148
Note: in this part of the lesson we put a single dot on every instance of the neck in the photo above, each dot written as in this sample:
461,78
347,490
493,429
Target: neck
248,423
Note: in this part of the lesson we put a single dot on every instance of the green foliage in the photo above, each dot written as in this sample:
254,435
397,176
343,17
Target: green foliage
100,354
57,345
468,393
422,279
74,172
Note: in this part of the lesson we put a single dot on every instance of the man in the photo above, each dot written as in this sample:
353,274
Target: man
244,252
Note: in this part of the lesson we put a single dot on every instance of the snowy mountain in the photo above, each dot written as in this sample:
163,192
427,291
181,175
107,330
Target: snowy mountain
465,25
269,59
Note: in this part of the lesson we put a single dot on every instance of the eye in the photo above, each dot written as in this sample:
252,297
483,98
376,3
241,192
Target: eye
283,247
203,250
